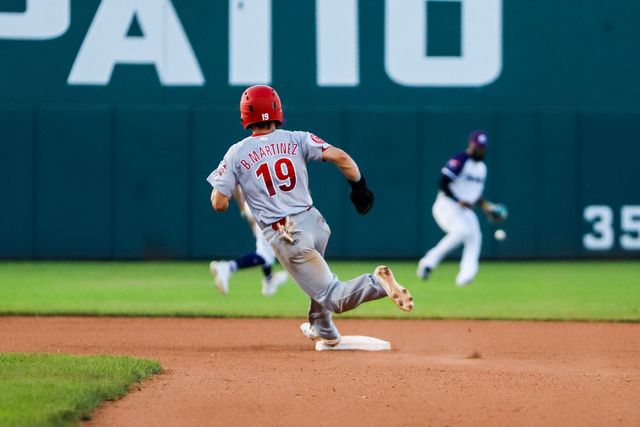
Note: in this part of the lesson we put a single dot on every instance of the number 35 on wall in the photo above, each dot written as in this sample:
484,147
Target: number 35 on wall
602,235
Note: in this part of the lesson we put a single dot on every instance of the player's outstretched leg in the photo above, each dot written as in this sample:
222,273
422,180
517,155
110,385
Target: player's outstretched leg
302,259
310,271
341,296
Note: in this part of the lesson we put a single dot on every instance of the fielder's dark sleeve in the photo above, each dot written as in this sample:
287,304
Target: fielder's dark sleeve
450,171
445,180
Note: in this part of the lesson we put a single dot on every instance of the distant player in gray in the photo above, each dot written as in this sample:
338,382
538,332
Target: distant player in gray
461,186
270,167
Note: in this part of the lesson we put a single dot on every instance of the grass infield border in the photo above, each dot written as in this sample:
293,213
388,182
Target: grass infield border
42,389
514,290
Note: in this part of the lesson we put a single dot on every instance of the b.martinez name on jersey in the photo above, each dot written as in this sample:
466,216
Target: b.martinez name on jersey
275,149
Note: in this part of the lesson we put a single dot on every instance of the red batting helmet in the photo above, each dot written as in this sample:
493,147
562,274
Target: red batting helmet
260,104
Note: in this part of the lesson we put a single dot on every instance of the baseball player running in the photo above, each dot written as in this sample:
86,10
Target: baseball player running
270,167
262,256
461,186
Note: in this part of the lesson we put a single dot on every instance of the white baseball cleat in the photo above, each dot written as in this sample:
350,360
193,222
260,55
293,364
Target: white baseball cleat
270,286
398,294
221,273
311,332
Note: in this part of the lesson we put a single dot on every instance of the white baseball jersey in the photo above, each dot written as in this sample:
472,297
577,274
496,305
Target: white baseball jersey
467,175
271,170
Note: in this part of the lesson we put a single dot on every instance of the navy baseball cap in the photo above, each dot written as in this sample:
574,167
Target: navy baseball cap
479,138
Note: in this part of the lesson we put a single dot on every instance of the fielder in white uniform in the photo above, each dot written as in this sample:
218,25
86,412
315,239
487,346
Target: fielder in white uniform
263,256
270,167
461,186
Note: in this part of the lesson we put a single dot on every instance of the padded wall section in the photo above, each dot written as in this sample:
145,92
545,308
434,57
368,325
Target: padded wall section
16,182
151,186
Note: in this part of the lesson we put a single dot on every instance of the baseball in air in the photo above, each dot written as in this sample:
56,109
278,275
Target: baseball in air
500,235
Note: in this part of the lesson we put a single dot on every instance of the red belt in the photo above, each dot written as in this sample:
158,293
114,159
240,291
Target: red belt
282,221
278,222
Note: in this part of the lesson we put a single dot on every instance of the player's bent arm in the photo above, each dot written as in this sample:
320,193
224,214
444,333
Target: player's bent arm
361,196
343,161
219,201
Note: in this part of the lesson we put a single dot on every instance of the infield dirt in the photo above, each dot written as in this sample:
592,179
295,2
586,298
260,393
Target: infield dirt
260,372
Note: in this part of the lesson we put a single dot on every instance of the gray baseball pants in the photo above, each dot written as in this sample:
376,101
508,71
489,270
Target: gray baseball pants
304,260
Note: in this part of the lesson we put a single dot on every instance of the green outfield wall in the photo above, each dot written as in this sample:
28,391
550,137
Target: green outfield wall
113,112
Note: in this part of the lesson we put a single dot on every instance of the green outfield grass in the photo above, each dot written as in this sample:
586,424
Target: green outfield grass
56,390
503,290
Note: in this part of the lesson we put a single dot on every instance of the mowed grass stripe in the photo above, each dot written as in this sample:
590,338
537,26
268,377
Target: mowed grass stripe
59,390
584,290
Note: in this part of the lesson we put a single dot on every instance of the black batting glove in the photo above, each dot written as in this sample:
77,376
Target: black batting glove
361,196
